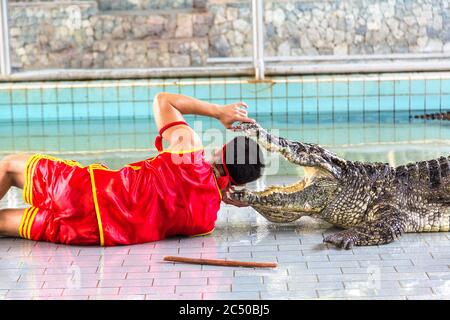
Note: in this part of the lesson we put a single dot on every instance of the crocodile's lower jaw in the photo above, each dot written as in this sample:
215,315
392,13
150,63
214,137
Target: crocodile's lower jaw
278,215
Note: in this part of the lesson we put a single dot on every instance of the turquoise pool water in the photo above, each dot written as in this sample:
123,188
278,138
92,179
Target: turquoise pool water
366,118
78,100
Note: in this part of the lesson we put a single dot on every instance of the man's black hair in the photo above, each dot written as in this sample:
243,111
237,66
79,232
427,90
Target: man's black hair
244,159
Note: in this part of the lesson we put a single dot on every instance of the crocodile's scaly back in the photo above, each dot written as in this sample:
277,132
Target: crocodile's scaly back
424,188
359,187
429,178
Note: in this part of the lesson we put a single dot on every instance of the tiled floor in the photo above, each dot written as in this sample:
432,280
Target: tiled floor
415,267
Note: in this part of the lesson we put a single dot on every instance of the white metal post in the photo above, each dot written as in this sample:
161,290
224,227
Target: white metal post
5,62
258,38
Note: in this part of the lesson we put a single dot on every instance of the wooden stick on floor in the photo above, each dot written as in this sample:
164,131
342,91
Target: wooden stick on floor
225,263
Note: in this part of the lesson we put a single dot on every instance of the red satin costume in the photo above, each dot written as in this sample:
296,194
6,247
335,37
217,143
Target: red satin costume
174,193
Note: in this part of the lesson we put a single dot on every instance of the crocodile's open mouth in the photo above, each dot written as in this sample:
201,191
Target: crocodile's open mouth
292,188
307,175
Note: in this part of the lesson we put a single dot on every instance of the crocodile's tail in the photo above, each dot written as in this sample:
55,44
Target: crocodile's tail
434,116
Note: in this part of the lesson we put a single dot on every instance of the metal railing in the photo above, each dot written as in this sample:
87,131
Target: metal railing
5,62
258,38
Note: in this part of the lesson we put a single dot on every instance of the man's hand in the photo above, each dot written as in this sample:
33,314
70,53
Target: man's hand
230,113
226,198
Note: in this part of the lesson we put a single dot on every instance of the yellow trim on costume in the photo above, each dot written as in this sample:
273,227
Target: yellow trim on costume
22,222
133,167
97,210
30,222
98,165
204,234
182,151
217,185
72,163
151,159
28,184
25,224
25,183
31,174
101,167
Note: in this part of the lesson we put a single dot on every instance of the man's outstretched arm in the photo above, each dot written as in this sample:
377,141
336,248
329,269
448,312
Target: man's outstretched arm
170,107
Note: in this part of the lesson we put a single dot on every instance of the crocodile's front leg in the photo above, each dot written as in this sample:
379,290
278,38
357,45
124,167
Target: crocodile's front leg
304,154
388,227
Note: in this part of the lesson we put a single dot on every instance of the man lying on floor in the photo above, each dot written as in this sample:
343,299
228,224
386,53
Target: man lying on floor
177,192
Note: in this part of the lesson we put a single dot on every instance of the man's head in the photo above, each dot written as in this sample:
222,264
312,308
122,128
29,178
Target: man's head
243,159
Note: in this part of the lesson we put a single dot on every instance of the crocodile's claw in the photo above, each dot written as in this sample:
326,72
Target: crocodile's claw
345,239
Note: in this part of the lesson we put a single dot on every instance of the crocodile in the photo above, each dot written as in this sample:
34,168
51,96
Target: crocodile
434,116
374,203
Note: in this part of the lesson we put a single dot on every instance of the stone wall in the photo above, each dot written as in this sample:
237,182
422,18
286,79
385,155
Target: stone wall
357,27
51,35
183,33
230,34
78,35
